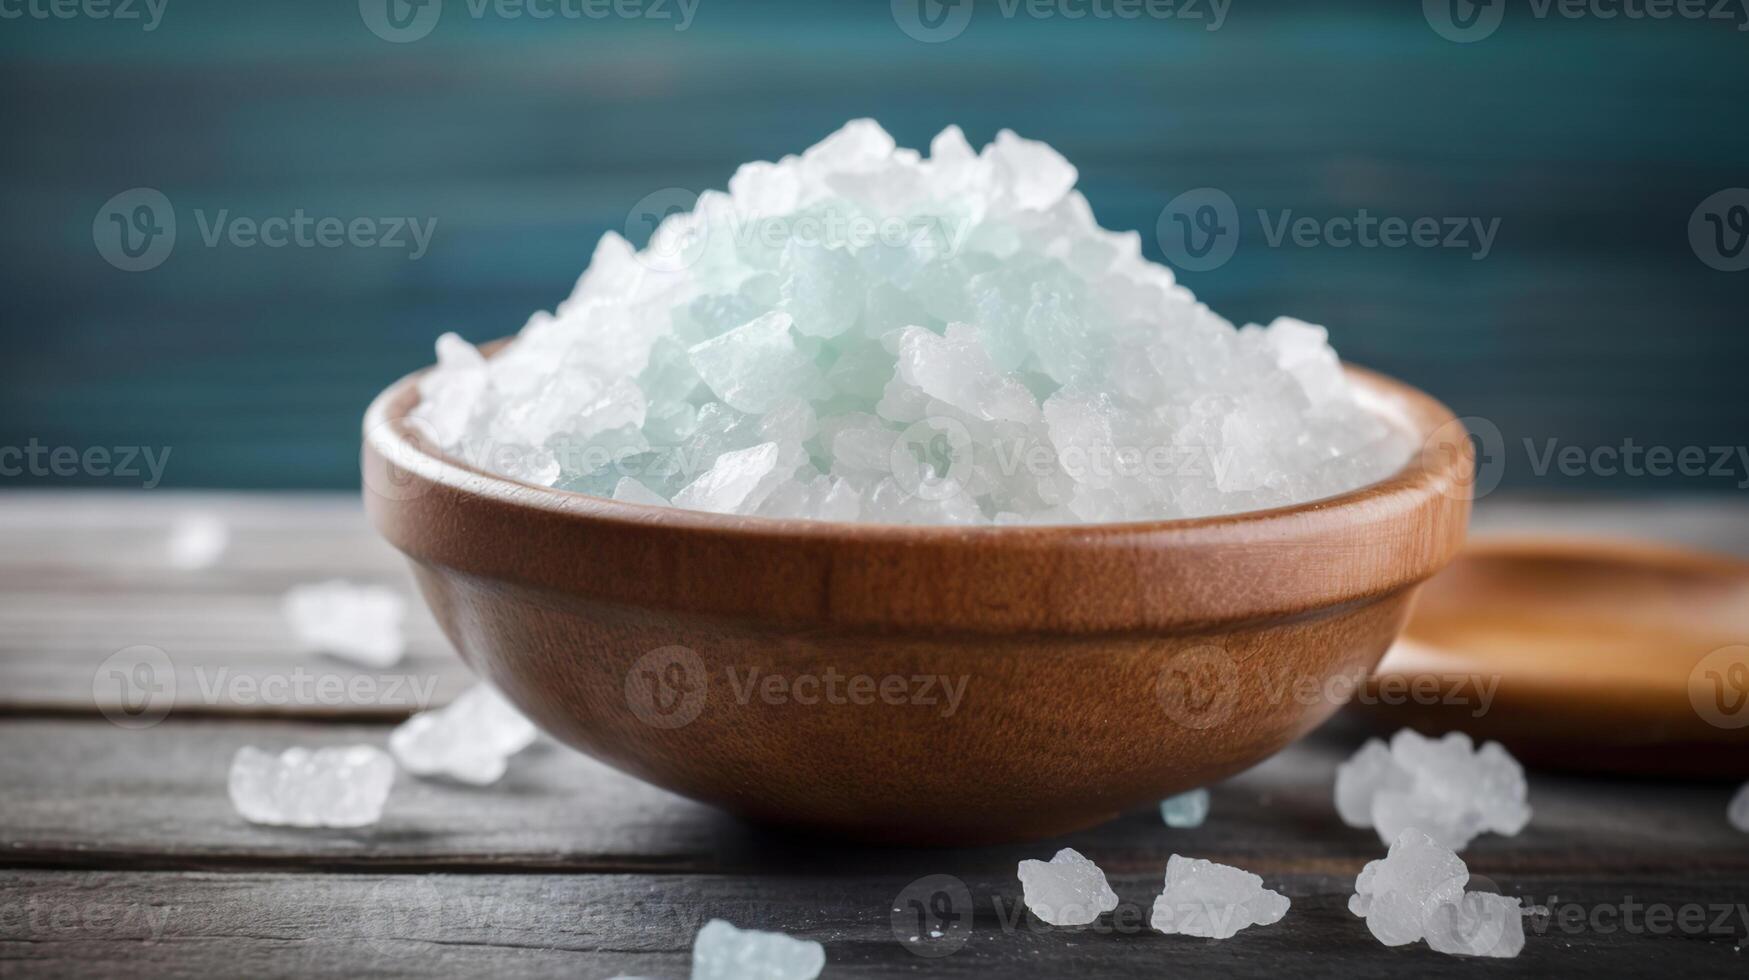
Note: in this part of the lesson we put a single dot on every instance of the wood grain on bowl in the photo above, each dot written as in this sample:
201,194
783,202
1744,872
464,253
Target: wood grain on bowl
919,684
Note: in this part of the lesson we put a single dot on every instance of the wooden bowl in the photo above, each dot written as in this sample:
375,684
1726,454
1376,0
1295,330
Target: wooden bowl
806,672
1604,655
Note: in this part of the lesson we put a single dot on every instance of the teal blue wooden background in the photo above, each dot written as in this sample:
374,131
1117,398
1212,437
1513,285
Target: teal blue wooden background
1591,141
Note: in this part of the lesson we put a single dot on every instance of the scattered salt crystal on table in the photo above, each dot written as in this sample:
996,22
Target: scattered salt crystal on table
1213,900
1397,893
332,787
1738,811
1417,892
469,740
936,318
1479,924
360,623
1067,890
196,541
723,952
1186,809
1445,788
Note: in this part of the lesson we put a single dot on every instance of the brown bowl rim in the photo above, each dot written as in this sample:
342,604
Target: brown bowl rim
437,510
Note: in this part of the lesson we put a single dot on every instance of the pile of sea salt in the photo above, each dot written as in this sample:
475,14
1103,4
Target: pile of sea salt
863,333
1445,788
1416,892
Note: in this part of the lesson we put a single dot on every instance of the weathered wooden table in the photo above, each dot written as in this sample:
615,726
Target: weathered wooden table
122,855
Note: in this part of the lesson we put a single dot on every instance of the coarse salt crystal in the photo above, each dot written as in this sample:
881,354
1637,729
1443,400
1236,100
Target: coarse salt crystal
330,787
1067,890
360,623
1057,374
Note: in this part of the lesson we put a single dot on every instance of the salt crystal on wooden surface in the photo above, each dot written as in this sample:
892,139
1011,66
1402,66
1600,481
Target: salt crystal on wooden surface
331,787
1185,810
1067,890
1213,901
1443,787
723,952
360,623
470,740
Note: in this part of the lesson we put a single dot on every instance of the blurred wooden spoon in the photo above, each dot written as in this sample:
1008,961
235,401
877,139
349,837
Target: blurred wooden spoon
1590,654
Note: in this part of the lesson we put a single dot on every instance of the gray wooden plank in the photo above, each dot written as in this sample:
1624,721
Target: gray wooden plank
83,575
86,575
268,925
85,794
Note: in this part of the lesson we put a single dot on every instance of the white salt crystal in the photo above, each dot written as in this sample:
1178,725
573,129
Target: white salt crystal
1738,811
1037,175
731,485
360,623
1186,809
1442,787
1398,892
1479,924
877,288
469,740
957,370
1068,890
723,952
633,492
1417,892
756,365
1213,900
196,541
332,787
1362,777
